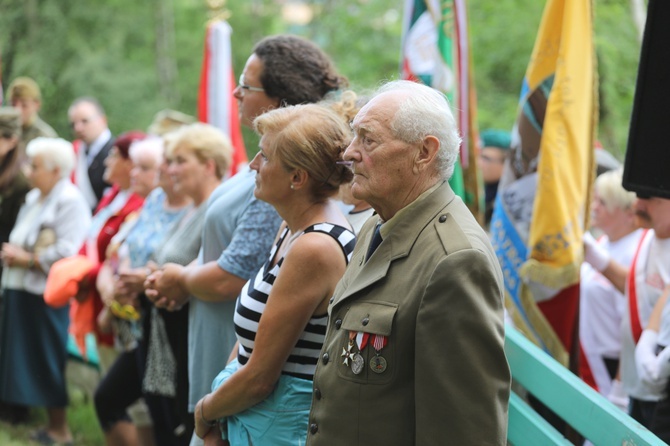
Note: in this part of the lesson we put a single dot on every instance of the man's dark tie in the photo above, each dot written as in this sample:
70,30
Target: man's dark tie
376,240
86,148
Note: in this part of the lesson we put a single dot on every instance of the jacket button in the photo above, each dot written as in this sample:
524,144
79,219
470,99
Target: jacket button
365,321
314,428
443,218
338,323
317,394
325,358
332,299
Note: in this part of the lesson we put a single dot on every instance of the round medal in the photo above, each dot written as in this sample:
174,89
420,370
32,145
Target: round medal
357,363
378,364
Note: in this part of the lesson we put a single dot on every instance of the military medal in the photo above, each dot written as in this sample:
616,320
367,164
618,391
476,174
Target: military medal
346,353
357,363
378,362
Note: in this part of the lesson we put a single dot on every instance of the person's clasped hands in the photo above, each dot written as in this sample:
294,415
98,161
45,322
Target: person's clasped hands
164,288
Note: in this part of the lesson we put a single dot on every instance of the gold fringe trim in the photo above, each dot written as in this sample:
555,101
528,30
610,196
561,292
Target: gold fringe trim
552,277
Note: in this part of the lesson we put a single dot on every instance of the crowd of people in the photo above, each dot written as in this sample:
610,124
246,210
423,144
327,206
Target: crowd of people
336,291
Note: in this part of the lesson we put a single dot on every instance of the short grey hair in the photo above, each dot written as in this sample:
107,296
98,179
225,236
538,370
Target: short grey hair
425,112
55,153
152,146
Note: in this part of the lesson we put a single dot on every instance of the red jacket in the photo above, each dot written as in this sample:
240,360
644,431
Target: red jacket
83,315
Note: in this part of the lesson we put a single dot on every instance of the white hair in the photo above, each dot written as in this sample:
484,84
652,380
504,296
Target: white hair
425,112
151,146
55,153
609,188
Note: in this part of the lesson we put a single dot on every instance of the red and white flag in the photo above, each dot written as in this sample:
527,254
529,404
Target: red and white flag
216,104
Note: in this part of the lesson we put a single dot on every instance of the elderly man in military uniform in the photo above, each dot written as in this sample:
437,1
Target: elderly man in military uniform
414,346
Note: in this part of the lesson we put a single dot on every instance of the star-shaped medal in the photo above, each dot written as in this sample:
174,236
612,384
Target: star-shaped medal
346,354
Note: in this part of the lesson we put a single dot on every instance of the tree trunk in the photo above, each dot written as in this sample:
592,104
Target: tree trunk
166,65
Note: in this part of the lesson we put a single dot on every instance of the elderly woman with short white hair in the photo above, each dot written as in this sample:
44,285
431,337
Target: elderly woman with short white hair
51,225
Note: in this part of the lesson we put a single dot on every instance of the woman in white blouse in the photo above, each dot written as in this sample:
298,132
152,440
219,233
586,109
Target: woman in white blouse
51,225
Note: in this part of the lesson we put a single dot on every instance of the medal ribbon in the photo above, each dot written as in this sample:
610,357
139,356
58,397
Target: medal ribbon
379,342
362,340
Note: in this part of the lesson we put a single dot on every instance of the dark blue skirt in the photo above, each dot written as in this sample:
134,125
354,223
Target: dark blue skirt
33,339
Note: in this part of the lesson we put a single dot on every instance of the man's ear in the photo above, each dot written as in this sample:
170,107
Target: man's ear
426,153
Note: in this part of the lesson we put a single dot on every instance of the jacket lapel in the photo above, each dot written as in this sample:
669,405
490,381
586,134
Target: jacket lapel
396,245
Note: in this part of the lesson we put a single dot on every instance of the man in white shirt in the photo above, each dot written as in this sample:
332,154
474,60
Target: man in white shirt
89,124
643,285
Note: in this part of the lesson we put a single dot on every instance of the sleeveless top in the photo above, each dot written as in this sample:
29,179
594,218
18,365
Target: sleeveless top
252,300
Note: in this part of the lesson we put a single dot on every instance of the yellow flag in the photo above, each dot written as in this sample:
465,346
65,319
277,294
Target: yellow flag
564,50
543,199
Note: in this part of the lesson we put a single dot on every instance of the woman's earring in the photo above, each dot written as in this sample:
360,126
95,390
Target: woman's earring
292,186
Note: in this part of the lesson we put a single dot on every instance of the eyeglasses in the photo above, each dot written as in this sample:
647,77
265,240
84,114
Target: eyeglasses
244,88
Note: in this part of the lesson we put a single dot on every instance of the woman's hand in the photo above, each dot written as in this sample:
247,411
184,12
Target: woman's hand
203,427
213,438
15,257
165,287
132,280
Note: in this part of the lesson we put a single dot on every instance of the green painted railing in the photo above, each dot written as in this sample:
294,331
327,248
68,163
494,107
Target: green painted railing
588,412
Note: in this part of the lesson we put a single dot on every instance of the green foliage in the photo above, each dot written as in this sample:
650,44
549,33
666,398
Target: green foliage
618,53
502,35
110,50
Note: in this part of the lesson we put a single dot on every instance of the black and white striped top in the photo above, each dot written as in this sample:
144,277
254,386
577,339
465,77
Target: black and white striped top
251,304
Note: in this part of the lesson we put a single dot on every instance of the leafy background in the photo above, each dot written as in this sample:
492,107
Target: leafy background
141,57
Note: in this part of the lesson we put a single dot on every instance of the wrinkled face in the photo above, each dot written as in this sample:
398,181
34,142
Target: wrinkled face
382,164
186,170
144,174
491,162
273,181
86,122
654,212
40,177
117,168
603,218
28,109
252,103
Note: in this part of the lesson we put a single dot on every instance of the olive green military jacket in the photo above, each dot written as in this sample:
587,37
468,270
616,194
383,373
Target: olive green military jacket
414,346
36,129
